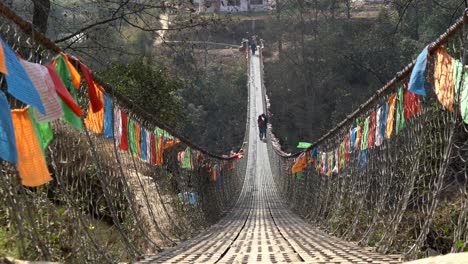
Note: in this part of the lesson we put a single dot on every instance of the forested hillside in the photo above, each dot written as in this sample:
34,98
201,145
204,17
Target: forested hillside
322,57
326,57
197,90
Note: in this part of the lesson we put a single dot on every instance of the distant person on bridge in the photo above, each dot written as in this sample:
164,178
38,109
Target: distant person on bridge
253,47
262,125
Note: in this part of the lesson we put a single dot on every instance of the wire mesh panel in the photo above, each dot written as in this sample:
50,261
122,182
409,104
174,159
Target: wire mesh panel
400,190
106,204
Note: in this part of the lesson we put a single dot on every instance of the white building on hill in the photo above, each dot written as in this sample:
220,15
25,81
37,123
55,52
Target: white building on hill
233,5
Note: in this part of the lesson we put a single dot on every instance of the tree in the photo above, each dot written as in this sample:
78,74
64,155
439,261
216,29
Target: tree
150,87
41,15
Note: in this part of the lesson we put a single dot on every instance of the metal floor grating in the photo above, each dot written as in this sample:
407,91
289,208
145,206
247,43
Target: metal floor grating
260,228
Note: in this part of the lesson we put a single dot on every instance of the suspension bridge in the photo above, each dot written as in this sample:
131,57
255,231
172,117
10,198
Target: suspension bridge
120,186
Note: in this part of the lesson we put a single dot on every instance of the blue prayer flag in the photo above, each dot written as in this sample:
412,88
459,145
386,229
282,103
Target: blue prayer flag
143,143
108,118
383,118
19,84
7,132
418,75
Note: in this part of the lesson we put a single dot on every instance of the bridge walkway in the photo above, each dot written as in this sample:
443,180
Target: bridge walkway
260,228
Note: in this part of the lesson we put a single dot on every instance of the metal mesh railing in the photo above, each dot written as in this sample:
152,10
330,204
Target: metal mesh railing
105,204
409,194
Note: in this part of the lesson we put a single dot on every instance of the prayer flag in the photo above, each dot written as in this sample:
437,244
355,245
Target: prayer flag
3,68
443,78
108,118
75,76
300,164
43,131
117,125
153,149
62,91
132,137
32,166
95,120
461,88
64,73
137,137
371,136
365,136
124,139
143,150
412,104
96,103
400,117
187,159
19,84
347,146
303,145
390,116
418,74
378,134
7,133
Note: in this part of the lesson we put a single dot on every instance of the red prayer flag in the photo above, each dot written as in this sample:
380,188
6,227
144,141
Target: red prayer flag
124,140
153,149
62,91
347,147
370,142
412,105
96,104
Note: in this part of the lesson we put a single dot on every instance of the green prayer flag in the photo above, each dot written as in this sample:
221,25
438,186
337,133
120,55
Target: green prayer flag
299,175
132,137
461,88
365,134
43,131
457,74
159,132
63,72
186,162
304,145
400,114
464,98
69,116
342,155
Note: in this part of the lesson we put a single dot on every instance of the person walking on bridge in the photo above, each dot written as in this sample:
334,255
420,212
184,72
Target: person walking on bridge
262,125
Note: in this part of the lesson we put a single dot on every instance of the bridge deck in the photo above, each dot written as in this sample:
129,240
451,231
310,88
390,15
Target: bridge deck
260,228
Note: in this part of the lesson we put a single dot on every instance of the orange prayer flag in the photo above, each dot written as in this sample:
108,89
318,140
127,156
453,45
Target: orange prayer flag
76,78
160,151
3,68
300,164
214,174
94,121
357,143
391,115
32,166
171,142
137,137
443,78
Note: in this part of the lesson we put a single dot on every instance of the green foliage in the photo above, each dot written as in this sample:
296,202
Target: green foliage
150,87
9,246
460,244
216,107
329,64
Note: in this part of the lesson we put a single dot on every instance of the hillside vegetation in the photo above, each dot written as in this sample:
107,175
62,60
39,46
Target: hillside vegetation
324,62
